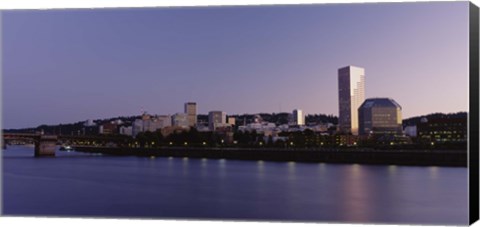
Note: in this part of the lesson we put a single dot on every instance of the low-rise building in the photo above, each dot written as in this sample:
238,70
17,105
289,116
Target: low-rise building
443,130
126,130
410,130
108,128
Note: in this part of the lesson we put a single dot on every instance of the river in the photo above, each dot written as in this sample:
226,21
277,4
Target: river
78,184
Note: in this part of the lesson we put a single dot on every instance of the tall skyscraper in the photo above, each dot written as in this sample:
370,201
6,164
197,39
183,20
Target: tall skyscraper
298,117
351,94
191,111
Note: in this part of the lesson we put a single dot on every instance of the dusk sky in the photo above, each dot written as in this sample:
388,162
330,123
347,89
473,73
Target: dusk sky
65,66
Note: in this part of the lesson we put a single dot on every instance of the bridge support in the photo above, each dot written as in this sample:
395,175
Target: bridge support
45,146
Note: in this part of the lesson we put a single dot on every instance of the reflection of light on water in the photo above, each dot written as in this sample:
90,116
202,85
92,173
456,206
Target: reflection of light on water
170,165
392,175
204,162
392,169
291,170
222,167
185,166
322,168
260,169
358,194
356,170
433,172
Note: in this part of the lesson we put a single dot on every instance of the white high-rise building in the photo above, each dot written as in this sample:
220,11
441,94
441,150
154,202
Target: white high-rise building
351,94
298,117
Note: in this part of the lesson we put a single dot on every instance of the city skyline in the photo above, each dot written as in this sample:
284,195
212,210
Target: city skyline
98,64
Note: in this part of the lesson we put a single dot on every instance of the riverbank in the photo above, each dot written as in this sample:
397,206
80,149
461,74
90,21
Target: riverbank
365,156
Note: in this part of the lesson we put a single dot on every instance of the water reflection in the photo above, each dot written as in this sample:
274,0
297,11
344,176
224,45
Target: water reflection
322,166
358,191
291,171
203,167
260,170
392,170
222,189
433,170
204,162
222,169
170,167
185,166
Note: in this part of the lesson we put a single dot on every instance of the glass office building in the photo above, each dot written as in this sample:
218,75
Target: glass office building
380,116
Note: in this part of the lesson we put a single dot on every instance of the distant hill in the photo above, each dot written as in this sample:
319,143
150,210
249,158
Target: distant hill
278,118
70,128
415,120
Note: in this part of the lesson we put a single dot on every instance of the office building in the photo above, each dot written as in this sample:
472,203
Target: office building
164,121
126,130
443,130
108,128
351,94
298,117
191,112
231,121
216,119
180,120
150,123
380,116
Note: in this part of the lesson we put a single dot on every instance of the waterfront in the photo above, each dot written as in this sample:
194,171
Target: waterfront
81,184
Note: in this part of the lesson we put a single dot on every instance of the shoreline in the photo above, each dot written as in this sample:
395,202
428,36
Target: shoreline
453,158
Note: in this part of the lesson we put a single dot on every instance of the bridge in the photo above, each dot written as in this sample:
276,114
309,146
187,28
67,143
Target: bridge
45,145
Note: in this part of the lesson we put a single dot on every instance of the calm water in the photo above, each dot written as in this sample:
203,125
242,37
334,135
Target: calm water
78,184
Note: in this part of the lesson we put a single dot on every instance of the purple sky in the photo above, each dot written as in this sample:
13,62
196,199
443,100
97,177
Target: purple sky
66,66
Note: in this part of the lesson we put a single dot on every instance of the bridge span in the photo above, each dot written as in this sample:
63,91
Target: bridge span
44,144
